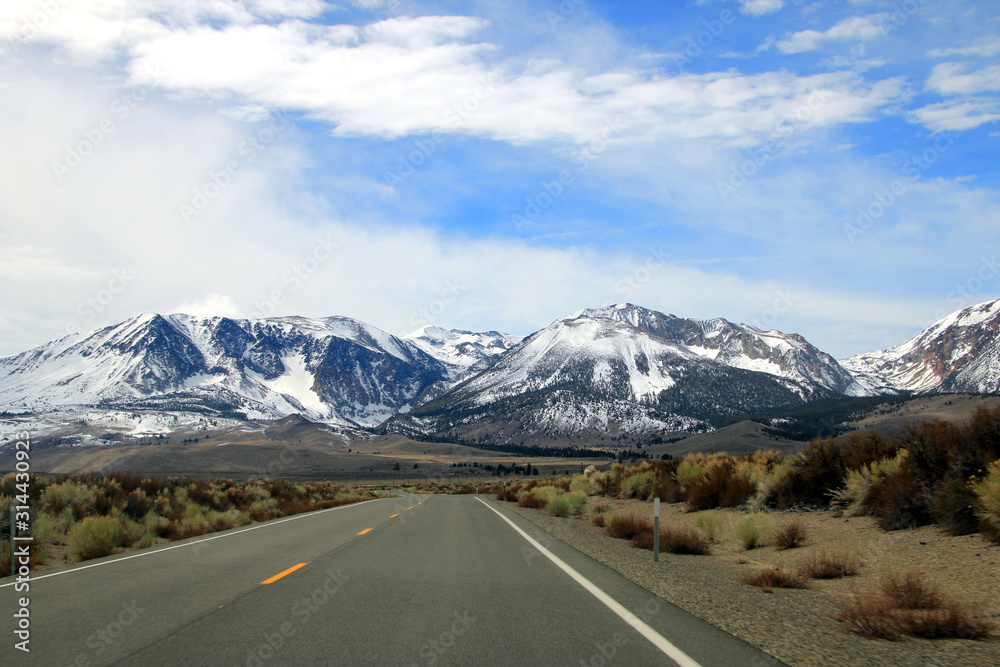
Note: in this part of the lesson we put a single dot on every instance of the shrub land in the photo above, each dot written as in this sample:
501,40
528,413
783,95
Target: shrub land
90,516
935,472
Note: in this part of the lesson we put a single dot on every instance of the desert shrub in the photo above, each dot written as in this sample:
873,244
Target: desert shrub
683,541
823,464
189,526
562,484
538,497
599,520
567,504
774,577
669,490
132,531
156,524
953,506
861,485
987,492
639,485
78,498
830,565
764,469
718,487
610,482
48,528
261,510
790,535
602,508
689,470
585,485
709,523
750,530
626,525
905,604
95,537
510,494
900,502
137,504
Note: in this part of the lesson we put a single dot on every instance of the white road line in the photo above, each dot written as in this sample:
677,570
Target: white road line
191,544
637,623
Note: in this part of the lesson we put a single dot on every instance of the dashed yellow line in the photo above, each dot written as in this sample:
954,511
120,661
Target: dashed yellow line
282,574
366,530
393,516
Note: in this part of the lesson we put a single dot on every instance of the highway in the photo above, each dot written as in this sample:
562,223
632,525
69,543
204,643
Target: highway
414,580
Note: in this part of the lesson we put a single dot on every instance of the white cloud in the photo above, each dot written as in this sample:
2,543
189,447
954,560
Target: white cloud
217,305
856,28
970,105
760,7
404,76
953,79
985,50
407,76
962,114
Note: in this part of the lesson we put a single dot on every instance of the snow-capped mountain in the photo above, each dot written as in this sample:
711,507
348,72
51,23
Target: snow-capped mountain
959,353
614,374
630,370
788,356
334,369
460,350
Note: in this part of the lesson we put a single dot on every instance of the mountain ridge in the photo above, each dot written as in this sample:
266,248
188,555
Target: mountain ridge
621,371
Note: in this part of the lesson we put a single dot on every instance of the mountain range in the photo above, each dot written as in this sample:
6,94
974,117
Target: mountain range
611,374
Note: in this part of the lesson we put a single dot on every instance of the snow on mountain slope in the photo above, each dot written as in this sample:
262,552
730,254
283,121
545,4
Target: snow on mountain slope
333,369
783,355
460,350
588,370
599,354
959,353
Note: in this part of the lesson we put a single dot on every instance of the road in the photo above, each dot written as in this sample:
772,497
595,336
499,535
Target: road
415,580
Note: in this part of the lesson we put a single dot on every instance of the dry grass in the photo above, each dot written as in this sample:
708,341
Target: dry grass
774,577
907,604
789,536
750,530
627,525
830,565
682,541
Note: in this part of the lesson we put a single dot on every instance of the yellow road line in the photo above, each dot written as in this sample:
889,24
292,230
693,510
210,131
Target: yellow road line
282,574
366,530
393,516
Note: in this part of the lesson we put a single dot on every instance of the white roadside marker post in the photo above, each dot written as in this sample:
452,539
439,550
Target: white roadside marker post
656,530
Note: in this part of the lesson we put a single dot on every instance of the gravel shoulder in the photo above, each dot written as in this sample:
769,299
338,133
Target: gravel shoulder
797,626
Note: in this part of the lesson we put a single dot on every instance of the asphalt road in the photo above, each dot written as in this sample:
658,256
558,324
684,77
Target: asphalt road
438,580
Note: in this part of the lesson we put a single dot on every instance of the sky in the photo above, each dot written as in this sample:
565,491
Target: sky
824,168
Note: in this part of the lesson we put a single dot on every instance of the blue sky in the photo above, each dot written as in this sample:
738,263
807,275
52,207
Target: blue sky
827,168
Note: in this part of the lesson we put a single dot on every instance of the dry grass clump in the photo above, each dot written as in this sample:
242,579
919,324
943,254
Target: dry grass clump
709,523
674,540
774,577
95,536
567,504
599,514
539,497
790,535
750,530
830,565
627,525
907,604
